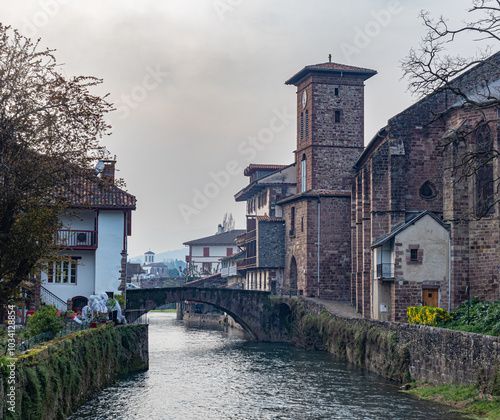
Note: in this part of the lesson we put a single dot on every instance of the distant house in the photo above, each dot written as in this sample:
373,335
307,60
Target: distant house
231,270
93,244
205,254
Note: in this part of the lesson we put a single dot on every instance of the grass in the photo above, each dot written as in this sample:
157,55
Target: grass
163,310
466,399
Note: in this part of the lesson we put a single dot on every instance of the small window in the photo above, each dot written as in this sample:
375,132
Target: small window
428,191
336,91
206,252
229,251
337,116
413,254
302,224
292,221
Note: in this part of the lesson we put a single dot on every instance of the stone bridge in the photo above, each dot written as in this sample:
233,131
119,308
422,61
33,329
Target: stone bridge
264,317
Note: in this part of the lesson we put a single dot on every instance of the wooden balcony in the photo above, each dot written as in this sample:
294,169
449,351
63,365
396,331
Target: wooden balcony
77,239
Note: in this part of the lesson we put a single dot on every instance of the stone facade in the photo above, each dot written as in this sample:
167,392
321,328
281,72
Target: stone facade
404,171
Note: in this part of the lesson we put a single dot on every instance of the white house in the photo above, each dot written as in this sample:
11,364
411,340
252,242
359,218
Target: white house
205,253
93,243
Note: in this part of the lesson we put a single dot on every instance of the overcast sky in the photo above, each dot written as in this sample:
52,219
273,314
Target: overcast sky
199,87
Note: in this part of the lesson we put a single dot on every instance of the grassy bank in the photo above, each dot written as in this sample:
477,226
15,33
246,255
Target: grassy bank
164,310
466,399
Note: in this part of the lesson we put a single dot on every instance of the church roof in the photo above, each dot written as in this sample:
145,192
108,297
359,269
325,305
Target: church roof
332,68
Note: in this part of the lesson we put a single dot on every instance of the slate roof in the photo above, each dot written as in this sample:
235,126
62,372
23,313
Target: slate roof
412,220
226,238
331,68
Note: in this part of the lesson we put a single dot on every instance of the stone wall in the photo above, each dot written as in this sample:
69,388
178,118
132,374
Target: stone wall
399,351
52,381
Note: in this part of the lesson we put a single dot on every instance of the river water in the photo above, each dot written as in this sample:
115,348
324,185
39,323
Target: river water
215,374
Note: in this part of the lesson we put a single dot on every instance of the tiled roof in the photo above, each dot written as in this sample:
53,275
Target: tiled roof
331,68
95,193
214,278
261,167
226,238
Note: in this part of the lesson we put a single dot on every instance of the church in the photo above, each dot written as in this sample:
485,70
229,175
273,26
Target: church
399,222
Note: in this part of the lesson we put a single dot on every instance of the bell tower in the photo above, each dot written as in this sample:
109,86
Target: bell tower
330,124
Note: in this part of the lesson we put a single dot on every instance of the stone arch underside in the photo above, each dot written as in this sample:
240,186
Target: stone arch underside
245,307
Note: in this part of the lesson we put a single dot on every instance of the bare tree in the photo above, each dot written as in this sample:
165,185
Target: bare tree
433,70
228,222
50,128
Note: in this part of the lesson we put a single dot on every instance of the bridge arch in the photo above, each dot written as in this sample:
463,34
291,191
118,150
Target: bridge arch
253,310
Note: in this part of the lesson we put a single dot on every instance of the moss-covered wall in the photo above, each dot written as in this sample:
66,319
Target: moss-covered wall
370,346
399,351
53,381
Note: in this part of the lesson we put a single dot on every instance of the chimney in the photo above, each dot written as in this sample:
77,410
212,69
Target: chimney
108,173
220,229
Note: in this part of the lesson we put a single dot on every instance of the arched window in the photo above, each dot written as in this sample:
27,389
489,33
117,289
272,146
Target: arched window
304,172
484,177
307,123
302,126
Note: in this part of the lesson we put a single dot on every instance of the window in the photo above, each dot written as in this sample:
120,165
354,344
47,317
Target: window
307,124
302,224
337,116
428,191
206,268
206,251
304,173
413,254
484,177
292,221
336,91
302,126
63,272
229,251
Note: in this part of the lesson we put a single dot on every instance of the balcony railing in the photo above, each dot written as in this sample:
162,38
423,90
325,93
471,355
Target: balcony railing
228,271
80,239
385,271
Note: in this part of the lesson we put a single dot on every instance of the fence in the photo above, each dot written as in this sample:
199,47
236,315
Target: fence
31,342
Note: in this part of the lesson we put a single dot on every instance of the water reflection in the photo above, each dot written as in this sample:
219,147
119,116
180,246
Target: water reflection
202,374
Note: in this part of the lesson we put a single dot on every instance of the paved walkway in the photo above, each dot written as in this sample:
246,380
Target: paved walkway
341,309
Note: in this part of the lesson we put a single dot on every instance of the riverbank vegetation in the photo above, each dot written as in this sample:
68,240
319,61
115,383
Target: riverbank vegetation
467,399
481,317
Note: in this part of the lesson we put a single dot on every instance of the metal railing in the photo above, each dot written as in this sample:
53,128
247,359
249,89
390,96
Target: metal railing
77,238
281,291
385,270
49,298
69,328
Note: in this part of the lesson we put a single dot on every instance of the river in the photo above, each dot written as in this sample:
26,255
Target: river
215,374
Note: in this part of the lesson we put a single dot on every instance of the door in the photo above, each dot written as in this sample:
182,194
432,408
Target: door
430,297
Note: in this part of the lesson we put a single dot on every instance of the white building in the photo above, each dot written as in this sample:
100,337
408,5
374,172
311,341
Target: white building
93,244
205,253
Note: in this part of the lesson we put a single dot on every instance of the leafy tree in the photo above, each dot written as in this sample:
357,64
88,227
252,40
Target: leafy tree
434,69
50,127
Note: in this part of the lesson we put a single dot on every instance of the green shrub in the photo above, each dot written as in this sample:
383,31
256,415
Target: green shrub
427,315
45,320
484,317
